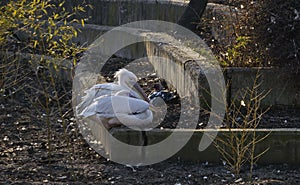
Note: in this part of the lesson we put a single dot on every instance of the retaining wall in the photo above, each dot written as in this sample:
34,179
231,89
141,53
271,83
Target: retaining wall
118,12
284,86
283,145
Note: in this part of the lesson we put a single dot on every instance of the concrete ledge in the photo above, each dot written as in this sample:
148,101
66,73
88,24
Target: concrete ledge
283,85
283,144
89,33
118,12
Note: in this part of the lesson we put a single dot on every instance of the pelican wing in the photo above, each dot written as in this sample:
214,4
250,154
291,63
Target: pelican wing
142,119
109,106
96,91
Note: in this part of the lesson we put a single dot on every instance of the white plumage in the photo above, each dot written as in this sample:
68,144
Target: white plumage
118,103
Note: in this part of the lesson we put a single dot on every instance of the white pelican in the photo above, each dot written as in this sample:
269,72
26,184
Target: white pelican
118,103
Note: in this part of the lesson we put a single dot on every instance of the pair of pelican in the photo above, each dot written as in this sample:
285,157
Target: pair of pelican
114,104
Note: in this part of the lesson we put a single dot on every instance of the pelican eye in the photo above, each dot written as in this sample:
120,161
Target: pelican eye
132,80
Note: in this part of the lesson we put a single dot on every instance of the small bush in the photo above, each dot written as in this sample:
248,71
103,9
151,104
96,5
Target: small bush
238,148
39,27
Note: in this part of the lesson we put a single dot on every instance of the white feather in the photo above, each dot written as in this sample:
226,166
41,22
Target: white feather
116,102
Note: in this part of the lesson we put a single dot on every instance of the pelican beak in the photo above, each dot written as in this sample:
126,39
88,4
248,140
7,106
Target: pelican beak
153,108
141,92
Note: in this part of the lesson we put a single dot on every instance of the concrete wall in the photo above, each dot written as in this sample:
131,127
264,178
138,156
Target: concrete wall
283,145
118,12
283,85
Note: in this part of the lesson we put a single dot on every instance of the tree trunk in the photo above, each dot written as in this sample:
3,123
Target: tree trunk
192,14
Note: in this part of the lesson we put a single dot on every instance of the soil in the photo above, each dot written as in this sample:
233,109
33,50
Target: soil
32,152
38,149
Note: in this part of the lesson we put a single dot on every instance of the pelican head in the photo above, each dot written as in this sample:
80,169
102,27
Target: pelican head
129,80
126,78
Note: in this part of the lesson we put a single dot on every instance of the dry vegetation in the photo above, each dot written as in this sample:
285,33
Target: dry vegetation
266,33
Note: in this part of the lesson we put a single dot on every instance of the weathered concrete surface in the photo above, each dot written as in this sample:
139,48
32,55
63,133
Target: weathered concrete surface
192,14
283,144
89,33
175,65
185,68
118,12
170,63
282,84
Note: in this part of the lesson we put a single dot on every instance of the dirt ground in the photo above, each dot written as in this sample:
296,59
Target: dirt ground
26,157
34,151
